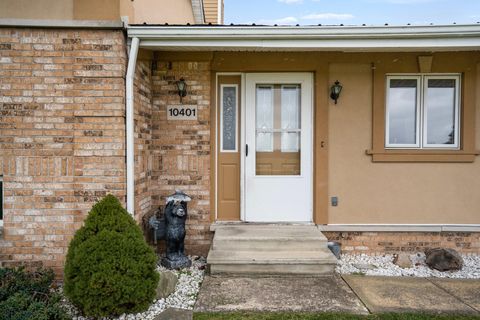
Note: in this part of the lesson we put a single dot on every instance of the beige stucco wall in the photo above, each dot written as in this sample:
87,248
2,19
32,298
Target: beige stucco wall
38,9
157,11
402,193
96,10
139,11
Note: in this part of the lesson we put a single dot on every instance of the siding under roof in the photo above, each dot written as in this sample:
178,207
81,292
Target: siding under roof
210,8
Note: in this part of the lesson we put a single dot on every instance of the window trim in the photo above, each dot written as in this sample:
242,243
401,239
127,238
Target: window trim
421,127
222,86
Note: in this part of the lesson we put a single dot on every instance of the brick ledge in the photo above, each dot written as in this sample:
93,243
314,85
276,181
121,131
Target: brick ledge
401,227
84,24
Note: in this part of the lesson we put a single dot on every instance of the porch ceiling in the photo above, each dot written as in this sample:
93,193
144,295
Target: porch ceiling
308,38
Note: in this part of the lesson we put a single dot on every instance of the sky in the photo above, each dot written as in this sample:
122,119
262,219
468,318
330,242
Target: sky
352,12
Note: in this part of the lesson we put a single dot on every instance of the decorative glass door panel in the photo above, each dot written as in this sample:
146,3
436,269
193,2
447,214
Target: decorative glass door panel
278,130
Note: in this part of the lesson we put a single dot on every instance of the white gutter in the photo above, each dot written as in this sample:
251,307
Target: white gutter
326,38
132,61
302,32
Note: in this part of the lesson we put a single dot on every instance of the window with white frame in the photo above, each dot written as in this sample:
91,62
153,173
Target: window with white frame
423,111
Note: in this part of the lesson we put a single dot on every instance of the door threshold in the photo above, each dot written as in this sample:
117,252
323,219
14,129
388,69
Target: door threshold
216,224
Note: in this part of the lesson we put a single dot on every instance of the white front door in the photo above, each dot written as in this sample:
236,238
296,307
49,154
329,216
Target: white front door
278,135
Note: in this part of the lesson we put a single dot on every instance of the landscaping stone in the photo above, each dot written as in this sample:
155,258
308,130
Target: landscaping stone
418,259
166,284
384,266
364,266
402,260
444,259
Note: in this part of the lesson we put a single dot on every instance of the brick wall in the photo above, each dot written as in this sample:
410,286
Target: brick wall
143,137
62,144
394,242
181,149
61,135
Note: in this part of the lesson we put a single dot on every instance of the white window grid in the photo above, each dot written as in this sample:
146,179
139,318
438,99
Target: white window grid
272,119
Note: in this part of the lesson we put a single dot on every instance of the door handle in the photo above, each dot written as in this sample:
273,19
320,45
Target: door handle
246,150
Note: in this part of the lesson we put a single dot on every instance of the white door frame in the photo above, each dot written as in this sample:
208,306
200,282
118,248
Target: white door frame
242,148
277,77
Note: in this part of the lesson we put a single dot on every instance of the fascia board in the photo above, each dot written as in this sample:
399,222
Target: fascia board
458,37
302,32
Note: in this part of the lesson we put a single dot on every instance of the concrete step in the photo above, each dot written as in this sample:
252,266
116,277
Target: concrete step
267,245
255,257
269,238
268,231
297,269
270,249
272,263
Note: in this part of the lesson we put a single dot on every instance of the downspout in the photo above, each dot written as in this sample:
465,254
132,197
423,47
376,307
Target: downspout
132,61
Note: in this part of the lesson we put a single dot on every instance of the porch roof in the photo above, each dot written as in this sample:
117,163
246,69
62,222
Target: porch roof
307,38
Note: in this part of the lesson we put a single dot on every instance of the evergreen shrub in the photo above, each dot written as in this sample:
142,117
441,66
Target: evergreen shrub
110,269
29,295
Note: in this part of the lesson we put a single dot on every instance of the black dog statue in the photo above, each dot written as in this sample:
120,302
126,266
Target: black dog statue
172,229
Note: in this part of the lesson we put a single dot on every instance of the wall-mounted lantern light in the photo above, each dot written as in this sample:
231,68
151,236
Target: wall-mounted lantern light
182,88
335,91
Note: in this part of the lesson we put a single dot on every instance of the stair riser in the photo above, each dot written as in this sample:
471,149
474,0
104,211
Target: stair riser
273,269
267,245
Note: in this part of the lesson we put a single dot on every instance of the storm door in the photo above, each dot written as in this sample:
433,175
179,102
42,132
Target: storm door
278,150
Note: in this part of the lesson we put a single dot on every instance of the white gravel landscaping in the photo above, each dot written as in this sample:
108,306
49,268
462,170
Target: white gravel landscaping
384,266
184,297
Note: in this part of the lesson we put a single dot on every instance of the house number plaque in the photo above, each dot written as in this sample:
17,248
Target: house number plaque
182,112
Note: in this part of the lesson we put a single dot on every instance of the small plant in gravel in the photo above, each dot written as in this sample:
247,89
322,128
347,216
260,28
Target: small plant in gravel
28,295
110,269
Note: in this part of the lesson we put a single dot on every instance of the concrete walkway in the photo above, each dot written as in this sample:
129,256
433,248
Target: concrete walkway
277,294
432,295
350,294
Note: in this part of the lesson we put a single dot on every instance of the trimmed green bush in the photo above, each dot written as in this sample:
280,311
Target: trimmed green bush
27,295
19,280
110,269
